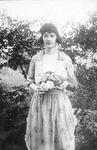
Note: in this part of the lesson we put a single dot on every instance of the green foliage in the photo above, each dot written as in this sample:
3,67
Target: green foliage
87,128
10,78
87,34
80,44
17,43
14,102
14,93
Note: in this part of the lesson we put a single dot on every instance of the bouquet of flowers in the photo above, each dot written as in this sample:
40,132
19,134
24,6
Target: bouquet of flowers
50,80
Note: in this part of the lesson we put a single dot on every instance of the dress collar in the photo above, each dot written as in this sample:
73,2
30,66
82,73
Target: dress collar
41,53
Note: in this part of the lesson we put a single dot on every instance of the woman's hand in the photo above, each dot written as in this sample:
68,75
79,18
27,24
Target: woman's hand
40,90
68,86
33,87
64,85
37,88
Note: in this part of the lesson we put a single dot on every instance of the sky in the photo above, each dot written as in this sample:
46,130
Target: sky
55,11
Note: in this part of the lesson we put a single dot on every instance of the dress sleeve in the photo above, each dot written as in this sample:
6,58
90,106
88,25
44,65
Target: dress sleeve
71,75
31,72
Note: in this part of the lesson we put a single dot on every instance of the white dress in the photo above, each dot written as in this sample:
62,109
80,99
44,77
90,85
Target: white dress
51,122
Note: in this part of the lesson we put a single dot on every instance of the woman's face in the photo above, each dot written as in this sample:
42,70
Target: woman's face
49,39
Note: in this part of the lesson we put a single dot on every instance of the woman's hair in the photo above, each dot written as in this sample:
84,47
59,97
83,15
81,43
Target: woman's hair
49,27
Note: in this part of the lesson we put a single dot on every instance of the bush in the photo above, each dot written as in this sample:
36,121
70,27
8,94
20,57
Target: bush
14,103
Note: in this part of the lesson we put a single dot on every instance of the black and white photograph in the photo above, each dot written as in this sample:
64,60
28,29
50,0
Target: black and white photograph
48,75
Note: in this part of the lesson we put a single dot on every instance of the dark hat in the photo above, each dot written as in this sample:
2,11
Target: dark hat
49,27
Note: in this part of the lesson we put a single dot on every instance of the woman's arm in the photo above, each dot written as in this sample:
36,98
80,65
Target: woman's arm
31,78
71,83
31,75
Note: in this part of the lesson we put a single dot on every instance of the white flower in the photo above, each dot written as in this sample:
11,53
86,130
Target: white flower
50,84
44,86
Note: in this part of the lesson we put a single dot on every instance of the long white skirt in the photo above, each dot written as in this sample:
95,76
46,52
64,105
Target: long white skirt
50,122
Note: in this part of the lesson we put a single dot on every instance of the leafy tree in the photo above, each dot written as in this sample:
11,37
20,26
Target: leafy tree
80,44
18,43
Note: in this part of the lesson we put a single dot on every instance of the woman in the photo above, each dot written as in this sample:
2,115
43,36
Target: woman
50,121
